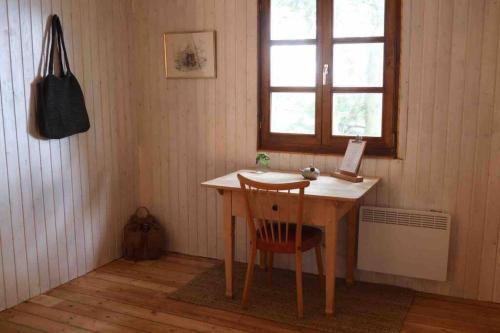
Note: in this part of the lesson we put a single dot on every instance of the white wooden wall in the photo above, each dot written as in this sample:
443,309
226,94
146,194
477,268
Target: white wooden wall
63,202
193,130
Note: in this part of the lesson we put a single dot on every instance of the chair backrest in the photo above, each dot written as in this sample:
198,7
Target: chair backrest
271,208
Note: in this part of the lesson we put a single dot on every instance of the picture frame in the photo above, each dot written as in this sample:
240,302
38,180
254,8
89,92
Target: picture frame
352,157
190,55
351,162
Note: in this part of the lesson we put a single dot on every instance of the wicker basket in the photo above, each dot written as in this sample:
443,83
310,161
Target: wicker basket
143,237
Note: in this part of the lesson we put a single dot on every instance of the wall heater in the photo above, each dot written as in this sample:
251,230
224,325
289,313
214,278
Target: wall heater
404,242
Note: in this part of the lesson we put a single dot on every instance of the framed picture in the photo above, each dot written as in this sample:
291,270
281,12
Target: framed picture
349,167
352,158
190,55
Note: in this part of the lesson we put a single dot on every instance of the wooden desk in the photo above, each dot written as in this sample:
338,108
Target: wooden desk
326,201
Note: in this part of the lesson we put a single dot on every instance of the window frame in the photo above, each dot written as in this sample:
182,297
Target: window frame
322,141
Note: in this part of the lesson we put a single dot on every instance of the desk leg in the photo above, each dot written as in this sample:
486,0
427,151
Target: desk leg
352,222
263,260
228,243
330,256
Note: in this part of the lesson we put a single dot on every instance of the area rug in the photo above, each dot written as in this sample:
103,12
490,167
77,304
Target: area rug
364,307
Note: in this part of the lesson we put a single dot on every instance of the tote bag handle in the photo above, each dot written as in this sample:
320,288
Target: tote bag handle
58,37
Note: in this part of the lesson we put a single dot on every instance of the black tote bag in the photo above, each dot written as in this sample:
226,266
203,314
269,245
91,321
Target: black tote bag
61,105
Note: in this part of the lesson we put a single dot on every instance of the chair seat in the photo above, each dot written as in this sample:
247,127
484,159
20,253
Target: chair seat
311,237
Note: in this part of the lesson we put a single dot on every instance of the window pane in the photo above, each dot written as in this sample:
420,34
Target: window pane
358,65
358,18
293,19
357,114
293,113
293,66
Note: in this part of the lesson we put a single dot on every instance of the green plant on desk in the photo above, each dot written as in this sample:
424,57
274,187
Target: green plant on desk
262,161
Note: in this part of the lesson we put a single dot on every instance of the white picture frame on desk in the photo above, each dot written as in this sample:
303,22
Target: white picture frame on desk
353,156
349,167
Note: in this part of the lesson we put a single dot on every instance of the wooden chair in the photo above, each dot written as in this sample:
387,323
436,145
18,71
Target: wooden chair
274,218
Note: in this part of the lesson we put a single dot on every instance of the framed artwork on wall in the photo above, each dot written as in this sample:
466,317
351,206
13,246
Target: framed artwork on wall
190,55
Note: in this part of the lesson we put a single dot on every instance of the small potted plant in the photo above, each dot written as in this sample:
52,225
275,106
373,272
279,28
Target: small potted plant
262,161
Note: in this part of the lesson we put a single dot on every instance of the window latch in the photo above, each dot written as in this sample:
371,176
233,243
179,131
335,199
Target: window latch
325,73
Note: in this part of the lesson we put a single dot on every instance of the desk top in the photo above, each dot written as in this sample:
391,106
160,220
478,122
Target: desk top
325,187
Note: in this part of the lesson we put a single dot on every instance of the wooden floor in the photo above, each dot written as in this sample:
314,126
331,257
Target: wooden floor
131,297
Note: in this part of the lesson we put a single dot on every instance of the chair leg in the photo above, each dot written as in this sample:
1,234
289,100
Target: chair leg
319,261
262,259
249,276
298,279
270,257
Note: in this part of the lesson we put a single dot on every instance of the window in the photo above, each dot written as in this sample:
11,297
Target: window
328,72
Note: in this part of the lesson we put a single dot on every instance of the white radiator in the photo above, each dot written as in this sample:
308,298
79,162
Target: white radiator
404,242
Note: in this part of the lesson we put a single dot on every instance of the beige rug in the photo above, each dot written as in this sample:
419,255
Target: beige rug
364,307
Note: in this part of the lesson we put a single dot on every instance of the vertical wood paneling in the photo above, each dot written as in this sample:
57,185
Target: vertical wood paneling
174,145
200,224
29,69
449,137
467,140
105,44
96,178
210,143
405,48
240,57
31,25
23,149
78,144
441,102
454,124
152,78
191,88
87,149
220,113
184,20
52,228
167,163
414,58
111,126
489,280
45,155
427,105
67,165
11,104
483,142
9,274
58,178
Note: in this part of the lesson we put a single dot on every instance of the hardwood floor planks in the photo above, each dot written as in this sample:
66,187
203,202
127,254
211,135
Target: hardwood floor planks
135,296
135,282
108,302
8,327
140,312
74,315
37,322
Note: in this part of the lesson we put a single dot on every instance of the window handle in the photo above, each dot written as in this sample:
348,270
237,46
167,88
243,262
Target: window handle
325,73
